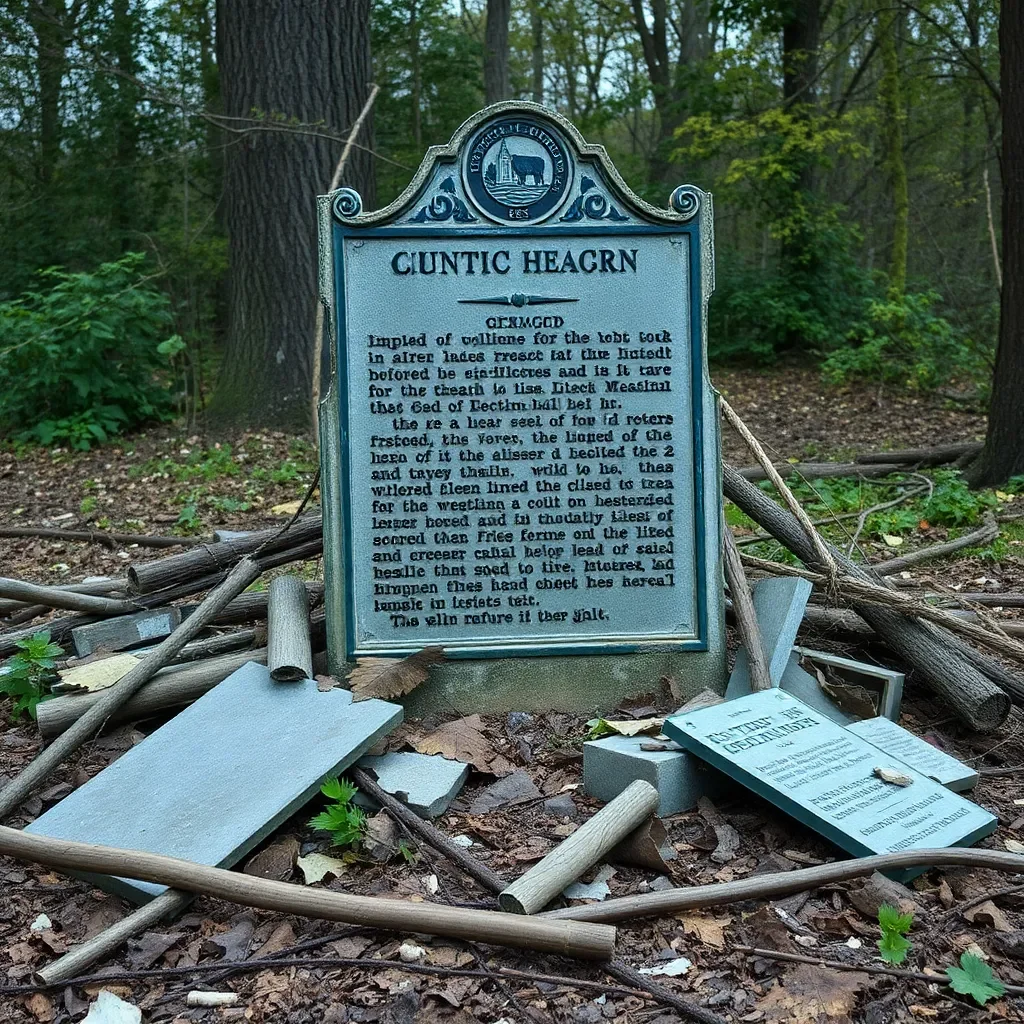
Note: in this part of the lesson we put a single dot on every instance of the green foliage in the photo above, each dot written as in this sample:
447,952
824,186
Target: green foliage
345,822
902,340
953,503
892,946
975,978
79,357
29,672
196,465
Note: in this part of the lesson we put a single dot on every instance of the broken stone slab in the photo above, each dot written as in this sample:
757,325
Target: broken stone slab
918,753
223,535
425,783
217,779
885,684
827,777
124,631
612,763
779,603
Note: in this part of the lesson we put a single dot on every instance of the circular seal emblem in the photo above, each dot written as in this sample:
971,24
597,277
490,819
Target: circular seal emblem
516,170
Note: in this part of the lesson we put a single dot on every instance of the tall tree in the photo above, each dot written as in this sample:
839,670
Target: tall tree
891,103
307,64
496,75
1003,454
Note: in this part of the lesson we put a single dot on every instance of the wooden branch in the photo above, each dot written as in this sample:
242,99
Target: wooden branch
584,848
822,470
491,881
936,456
976,699
172,687
116,696
102,588
568,938
783,883
105,537
746,617
252,607
33,593
91,951
289,656
983,535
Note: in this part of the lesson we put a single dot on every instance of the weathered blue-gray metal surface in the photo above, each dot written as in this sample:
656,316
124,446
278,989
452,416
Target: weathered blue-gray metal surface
825,776
519,442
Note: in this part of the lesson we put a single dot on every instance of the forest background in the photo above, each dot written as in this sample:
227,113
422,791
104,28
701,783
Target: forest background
159,162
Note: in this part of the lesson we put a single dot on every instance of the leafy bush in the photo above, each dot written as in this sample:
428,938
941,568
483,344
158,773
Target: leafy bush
85,356
29,672
902,340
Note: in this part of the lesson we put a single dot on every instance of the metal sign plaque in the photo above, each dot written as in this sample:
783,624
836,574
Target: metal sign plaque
519,442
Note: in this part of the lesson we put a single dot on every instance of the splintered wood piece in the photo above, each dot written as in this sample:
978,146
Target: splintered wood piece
584,848
289,654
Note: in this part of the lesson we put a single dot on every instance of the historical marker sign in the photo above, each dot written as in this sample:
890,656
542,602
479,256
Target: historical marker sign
520,446
824,775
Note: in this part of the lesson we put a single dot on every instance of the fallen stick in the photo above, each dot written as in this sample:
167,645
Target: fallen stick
782,883
584,848
113,698
207,559
289,655
106,537
428,833
91,951
101,588
981,704
983,535
33,593
587,942
936,456
746,616
171,687
821,470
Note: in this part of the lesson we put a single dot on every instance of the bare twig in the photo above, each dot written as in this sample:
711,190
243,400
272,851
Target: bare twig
106,537
746,616
985,534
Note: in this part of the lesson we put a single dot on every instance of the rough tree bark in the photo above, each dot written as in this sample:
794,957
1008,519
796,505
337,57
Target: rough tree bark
309,62
496,80
891,103
124,195
1003,454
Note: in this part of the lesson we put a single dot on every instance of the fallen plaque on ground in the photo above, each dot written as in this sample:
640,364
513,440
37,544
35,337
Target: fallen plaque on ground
519,440
825,776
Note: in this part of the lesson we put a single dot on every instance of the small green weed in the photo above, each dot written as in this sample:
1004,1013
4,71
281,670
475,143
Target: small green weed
88,505
975,978
893,946
29,673
199,465
345,822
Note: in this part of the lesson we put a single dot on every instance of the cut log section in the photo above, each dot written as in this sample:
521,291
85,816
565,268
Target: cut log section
289,656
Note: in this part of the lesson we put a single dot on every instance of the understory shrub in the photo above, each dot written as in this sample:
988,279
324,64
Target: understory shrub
903,340
86,355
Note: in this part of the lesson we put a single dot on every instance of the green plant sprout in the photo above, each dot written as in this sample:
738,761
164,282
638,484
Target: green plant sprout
345,822
29,672
975,978
893,946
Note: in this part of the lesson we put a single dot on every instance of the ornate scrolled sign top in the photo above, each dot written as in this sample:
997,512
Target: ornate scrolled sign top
519,439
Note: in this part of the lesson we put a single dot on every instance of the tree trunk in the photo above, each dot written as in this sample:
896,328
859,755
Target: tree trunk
123,192
496,80
417,74
891,103
537,32
1003,454
309,62
48,19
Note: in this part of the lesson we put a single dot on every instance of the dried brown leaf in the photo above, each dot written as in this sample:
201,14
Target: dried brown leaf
384,678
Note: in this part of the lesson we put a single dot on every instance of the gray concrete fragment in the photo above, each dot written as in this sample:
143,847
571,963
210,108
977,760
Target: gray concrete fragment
779,603
427,783
918,753
222,535
612,763
219,777
124,631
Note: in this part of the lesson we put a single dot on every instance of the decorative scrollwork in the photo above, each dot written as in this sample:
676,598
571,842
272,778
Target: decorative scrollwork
446,205
591,207
685,200
348,203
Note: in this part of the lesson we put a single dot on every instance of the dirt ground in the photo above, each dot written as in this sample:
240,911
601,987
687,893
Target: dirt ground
163,482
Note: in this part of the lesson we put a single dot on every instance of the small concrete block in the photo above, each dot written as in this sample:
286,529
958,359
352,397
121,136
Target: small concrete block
426,783
918,753
779,603
886,682
220,776
125,631
612,763
222,535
